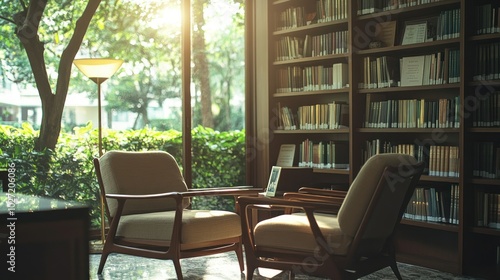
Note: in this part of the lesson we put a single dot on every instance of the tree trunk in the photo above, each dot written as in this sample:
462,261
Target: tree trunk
52,104
201,70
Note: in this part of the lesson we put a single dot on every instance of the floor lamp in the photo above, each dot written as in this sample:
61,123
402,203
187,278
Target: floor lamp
99,70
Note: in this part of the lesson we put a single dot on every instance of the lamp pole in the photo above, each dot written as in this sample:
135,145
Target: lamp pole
99,70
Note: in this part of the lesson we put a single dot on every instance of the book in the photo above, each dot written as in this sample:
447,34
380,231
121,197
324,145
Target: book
415,33
273,181
412,70
385,32
286,155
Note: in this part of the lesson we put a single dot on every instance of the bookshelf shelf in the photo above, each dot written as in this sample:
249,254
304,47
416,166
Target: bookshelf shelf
451,78
411,11
481,181
342,23
309,93
309,60
313,131
485,37
412,49
486,231
427,178
408,130
280,2
430,225
411,88
331,171
484,130
494,83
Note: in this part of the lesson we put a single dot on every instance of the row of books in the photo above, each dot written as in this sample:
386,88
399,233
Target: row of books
452,73
487,209
330,154
373,6
440,160
429,204
326,44
442,27
377,146
486,161
380,72
319,116
292,17
487,19
321,78
444,161
325,11
330,10
286,119
432,69
486,110
311,78
448,25
323,116
487,62
291,47
413,113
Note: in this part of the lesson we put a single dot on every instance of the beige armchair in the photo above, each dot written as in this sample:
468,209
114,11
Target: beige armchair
146,202
332,236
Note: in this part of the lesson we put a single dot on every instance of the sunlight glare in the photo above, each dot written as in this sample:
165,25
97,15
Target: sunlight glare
168,17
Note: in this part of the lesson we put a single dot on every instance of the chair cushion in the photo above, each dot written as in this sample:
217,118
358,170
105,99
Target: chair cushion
292,232
198,226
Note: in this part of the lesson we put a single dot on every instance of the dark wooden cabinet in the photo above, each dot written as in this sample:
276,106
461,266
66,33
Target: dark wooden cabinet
43,238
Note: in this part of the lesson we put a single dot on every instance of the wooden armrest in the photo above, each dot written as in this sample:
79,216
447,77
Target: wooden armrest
245,201
333,200
143,196
229,191
323,192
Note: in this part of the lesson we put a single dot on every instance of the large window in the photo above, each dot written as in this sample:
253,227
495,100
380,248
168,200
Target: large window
217,88
184,70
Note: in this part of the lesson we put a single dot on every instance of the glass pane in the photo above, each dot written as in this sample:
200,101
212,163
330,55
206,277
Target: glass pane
142,108
218,94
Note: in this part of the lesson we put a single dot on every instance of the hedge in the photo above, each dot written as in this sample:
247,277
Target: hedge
67,173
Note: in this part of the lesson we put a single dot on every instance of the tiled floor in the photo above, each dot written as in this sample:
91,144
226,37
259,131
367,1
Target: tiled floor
222,267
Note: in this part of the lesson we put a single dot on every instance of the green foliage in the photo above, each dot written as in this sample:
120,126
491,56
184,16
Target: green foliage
68,172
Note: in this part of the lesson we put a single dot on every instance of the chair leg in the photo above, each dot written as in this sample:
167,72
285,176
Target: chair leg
239,255
249,274
251,266
104,257
291,275
178,270
395,269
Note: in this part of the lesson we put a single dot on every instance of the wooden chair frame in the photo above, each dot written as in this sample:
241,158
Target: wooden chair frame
354,264
172,250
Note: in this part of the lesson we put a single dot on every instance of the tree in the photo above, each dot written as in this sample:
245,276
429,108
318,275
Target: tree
152,50
228,68
130,30
201,70
27,20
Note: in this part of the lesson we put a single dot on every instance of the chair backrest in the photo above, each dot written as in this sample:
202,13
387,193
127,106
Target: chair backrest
136,173
377,198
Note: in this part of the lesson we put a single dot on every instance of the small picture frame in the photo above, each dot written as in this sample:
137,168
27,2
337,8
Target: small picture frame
272,185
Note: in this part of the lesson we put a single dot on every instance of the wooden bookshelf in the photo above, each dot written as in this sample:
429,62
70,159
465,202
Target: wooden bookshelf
461,248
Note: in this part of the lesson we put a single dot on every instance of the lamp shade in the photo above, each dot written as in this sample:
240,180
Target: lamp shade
98,69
